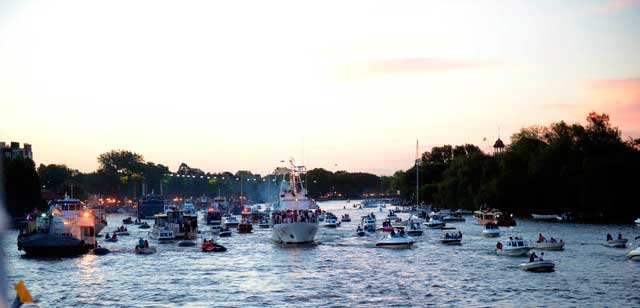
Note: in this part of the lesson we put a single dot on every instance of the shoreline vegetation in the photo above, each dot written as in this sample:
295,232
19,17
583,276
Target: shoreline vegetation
587,170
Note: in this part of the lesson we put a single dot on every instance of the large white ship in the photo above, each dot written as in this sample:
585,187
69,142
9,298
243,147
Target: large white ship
293,217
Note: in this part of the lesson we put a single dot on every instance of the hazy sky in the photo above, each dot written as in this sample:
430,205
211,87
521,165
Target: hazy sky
224,85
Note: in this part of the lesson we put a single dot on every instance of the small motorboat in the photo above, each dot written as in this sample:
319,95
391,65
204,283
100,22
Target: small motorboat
453,217
435,222
346,218
144,225
491,230
264,224
514,247
386,226
361,232
452,239
245,227
100,251
215,229
392,215
396,240
111,239
637,222
540,266
122,233
321,217
214,248
619,243
186,243
414,228
552,244
127,221
634,254
331,221
145,250
230,221
225,233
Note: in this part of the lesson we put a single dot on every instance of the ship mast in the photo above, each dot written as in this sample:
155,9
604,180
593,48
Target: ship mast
417,177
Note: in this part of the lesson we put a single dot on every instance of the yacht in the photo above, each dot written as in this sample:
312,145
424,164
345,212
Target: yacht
189,208
150,206
513,247
294,221
396,240
435,222
58,235
71,208
495,216
230,221
214,217
491,230
182,225
368,223
162,235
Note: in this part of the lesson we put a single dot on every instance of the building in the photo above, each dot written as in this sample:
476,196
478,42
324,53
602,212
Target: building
498,146
13,150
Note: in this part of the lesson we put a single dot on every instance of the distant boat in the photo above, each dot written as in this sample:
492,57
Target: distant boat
546,217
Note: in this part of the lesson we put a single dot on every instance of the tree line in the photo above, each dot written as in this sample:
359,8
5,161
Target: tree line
125,175
589,171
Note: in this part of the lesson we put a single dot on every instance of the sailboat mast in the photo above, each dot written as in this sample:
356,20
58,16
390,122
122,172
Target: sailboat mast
417,177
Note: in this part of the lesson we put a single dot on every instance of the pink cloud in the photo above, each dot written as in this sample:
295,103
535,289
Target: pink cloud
618,97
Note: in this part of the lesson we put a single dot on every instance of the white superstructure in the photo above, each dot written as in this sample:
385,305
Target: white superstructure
293,217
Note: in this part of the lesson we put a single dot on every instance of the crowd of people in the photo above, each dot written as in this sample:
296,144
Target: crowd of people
291,216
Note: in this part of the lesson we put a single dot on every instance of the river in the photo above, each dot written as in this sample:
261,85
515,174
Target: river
340,270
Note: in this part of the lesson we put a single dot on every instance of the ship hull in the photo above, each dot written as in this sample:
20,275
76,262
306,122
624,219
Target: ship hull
294,233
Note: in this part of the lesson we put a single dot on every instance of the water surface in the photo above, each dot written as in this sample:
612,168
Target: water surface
340,270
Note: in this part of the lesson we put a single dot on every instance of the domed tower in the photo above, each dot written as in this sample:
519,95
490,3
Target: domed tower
498,146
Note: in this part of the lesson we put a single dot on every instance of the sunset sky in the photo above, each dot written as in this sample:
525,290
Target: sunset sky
228,85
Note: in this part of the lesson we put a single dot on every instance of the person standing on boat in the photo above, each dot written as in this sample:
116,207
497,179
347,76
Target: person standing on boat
609,237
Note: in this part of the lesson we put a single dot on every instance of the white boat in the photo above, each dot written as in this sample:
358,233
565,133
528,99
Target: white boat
346,218
619,243
513,247
293,217
452,239
463,212
264,224
638,222
491,230
182,225
189,208
546,217
56,235
548,245
538,266
162,235
368,223
145,250
321,216
435,222
70,208
396,240
634,254
453,217
215,229
392,215
230,221
414,228
331,222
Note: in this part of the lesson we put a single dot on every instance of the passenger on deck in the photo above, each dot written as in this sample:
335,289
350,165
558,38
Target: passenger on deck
115,236
106,236
541,238
393,232
609,237
533,257
619,235
141,242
